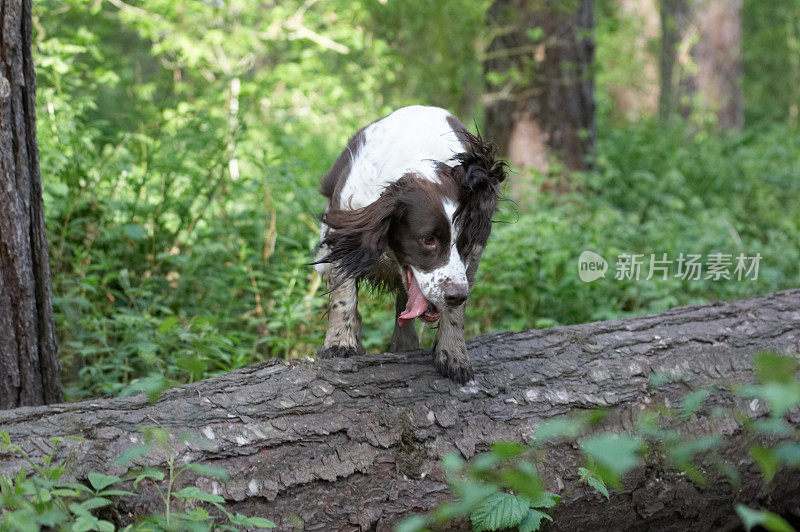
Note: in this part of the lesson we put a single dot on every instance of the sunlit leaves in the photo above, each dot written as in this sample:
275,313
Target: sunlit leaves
768,520
500,510
612,454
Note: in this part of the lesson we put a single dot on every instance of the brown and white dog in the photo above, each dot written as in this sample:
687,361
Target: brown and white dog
410,206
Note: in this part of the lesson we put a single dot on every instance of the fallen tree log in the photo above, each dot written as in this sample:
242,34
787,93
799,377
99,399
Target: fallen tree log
355,443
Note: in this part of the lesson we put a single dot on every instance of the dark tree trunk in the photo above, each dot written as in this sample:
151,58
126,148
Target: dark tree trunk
29,372
550,111
354,443
708,79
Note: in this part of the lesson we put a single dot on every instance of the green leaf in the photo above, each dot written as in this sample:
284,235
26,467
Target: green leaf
616,453
84,523
193,492
148,473
500,510
781,397
152,385
114,493
789,453
484,462
545,500
167,325
598,485
205,470
135,231
683,453
767,460
774,367
105,526
768,520
95,502
533,520
100,481
507,449
524,480
535,34
415,523
452,461
556,428
693,401
260,522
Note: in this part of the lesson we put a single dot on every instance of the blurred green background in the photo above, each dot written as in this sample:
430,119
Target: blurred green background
182,143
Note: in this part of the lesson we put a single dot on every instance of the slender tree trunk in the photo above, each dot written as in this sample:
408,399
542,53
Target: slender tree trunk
701,60
355,443
29,371
541,89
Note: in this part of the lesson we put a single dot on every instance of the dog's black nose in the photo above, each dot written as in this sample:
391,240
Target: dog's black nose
455,294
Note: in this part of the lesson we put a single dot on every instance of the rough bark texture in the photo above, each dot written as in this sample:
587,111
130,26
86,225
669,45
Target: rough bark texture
701,59
29,371
354,443
551,112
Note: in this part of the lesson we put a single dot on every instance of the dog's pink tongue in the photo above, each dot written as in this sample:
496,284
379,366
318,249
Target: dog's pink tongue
416,302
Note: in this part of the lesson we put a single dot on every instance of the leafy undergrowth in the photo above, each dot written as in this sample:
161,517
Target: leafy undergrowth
502,488
38,498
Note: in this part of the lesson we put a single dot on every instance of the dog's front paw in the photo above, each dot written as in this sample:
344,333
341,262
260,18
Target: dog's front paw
339,351
454,365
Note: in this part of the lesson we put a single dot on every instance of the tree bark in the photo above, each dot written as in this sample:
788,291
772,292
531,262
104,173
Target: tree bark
29,370
354,443
551,111
701,60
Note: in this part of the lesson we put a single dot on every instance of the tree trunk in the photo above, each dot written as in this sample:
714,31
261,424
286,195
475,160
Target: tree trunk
29,371
354,443
549,111
701,60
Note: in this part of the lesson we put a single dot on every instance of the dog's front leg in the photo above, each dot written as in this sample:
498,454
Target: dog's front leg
450,349
343,338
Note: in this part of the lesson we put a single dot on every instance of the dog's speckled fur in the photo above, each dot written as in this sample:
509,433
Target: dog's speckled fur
415,176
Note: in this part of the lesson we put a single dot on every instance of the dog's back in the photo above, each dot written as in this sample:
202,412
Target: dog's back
413,139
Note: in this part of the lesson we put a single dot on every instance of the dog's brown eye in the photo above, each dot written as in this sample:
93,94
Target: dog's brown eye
429,241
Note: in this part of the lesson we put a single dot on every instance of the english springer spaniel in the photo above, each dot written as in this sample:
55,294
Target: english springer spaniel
410,206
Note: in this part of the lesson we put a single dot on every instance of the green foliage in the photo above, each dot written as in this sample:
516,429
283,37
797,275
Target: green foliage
767,520
500,510
770,43
36,498
502,489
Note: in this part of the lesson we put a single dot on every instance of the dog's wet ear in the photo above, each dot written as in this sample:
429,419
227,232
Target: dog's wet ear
481,170
356,239
478,176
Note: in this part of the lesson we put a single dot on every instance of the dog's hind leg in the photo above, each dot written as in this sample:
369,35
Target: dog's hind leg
403,338
450,349
343,338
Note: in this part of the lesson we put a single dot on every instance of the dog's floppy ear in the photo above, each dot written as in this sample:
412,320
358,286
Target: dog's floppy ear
478,177
357,238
